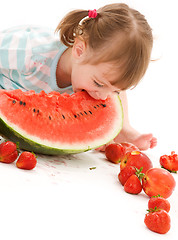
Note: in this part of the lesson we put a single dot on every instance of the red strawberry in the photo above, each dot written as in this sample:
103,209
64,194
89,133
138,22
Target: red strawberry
27,160
125,173
133,185
170,162
8,152
158,221
128,171
159,203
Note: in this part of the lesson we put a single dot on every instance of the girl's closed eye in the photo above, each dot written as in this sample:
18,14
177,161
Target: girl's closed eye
98,84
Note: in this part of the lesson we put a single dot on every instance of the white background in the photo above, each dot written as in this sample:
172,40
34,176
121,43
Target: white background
61,198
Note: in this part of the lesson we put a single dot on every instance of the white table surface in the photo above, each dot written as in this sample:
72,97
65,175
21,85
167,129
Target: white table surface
63,199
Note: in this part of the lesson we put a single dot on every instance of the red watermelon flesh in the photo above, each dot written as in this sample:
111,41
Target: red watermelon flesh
67,123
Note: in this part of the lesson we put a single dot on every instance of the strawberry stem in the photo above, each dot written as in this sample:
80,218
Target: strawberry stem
17,145
139,173
157,196
155,209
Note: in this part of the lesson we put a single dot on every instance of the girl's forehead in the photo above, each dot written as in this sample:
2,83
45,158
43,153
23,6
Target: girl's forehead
106,68
109,72
108,75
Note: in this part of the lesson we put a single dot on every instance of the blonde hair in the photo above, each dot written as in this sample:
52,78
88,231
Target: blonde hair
119,35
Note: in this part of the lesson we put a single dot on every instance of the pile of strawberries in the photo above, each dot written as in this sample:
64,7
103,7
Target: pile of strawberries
9,153
157,219
137,173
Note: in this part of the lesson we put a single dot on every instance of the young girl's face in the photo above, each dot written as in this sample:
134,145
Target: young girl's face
95,79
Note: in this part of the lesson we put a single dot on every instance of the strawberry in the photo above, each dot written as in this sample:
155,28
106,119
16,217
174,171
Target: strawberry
128,171
158,221
159,202
8,152
170,162
27,160
125,173
133,185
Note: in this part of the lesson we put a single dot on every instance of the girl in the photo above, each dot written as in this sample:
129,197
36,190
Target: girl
103,52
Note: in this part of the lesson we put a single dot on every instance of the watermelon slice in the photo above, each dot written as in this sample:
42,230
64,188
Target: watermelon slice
57,123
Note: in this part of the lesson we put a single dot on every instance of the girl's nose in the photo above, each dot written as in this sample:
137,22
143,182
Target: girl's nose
103,95
99,95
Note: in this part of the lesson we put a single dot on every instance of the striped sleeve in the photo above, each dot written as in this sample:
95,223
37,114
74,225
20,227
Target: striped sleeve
14,52
28,59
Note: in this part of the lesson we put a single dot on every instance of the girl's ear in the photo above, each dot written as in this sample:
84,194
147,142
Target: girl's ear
78,48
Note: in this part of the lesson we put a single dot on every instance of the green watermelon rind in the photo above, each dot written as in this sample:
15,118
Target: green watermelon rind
30,145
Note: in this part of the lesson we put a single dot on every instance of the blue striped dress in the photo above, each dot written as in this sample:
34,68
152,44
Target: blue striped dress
28,59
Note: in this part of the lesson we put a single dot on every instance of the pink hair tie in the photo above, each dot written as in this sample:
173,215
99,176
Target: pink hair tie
92,13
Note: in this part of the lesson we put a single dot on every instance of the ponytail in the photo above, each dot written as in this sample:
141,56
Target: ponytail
69,25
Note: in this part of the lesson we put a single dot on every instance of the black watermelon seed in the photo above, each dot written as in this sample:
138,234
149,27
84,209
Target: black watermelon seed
38,111
34,110
75,116
104,105
85,112
90,112
97,105
24,103
63,116
94,106
81,113
21,102
49,117
13,101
